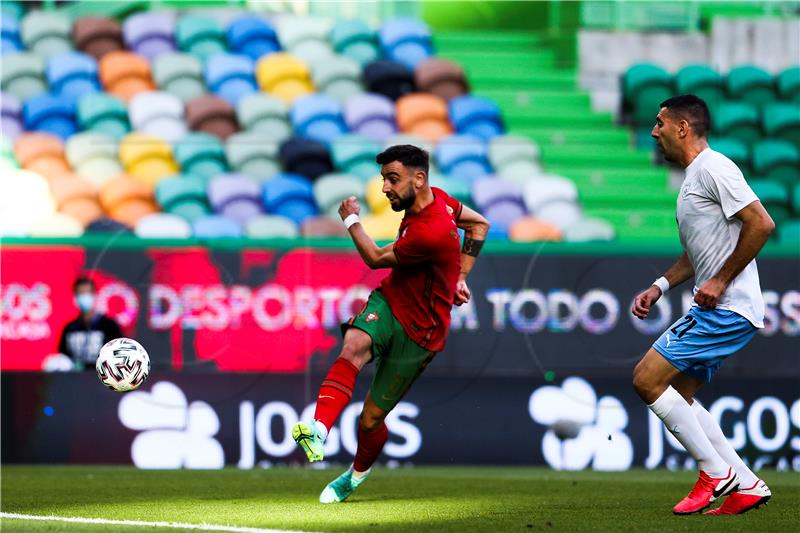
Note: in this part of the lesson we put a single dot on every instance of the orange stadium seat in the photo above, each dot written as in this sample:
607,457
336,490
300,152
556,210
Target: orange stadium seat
42,153
530,229
125,74
76,197
127,200
424,115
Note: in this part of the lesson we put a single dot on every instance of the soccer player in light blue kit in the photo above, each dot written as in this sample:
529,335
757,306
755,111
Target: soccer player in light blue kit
722,227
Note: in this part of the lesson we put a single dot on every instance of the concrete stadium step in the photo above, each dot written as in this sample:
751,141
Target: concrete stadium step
521,119
600,175
657,223
615,197
507,41
490,60
580,157
568,134
554,80
532,98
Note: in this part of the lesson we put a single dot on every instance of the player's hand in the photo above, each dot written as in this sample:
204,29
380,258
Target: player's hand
709,294
644,301
463,294
349,206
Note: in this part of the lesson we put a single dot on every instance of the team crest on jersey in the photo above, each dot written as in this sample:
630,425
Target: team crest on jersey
449,210
371,317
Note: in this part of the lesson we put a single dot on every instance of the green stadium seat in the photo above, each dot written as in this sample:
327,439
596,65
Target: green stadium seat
788,83
737,120
103,113
253,154
179,74
339,77
459,189
331,189
589,229
94,156
795,199
782,121
703,81
514,157
789,233
777,160
750,84
201,154
271,227
22,75
200,36
184,196
735,150
356,40
775,198
645,86
46,33
265,114
355,154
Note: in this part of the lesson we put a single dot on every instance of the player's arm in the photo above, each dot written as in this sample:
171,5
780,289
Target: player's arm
679,272
475,227
374,257
757,226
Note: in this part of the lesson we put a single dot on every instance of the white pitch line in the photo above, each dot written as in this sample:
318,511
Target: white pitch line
140,523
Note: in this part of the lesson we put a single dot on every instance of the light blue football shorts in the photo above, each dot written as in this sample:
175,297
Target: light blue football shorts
697,343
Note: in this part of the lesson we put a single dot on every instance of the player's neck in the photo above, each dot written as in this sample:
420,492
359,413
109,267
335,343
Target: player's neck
87,317
424,199
693,151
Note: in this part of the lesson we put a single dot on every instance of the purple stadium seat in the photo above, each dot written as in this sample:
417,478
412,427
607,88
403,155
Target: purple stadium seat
463,157
50,114
235,197
216,227
371,115
252,36
230,76
150,34
500,201
318,117
72,75
11,116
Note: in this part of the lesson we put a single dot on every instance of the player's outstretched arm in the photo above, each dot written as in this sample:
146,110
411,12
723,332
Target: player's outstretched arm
679,272
373,256
475,227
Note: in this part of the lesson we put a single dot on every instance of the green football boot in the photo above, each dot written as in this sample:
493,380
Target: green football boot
342,487
310,439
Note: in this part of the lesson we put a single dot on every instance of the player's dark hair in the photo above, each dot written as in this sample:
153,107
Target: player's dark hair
692,109
411,156
83,280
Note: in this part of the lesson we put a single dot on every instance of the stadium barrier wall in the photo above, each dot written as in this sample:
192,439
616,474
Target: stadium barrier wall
180,420
276,307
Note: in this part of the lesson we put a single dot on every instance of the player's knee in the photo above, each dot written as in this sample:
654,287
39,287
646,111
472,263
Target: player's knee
370,421
356,354
642,383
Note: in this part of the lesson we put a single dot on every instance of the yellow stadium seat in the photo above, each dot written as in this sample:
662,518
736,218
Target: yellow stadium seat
147,158
376,200
284,76
383,226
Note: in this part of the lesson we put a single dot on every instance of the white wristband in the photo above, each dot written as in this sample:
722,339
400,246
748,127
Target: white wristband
662,284
351,219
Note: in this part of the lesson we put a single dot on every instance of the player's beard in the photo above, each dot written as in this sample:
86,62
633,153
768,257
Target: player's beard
404,202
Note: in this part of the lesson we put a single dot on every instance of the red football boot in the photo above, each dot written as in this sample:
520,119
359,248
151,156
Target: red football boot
706,491
743,500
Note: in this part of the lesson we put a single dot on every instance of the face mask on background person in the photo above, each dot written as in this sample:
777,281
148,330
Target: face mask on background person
85,302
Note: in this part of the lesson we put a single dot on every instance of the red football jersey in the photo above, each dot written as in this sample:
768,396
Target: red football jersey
421,288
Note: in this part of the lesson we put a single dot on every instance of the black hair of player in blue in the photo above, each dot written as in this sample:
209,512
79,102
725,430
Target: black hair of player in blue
407,154
83,280
692,109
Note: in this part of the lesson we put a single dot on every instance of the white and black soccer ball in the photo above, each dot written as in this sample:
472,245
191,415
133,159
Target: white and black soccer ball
123,364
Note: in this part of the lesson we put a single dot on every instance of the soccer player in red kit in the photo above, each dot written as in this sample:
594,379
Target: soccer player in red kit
406,320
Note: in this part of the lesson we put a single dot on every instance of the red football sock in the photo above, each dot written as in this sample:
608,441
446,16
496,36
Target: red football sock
335,392
370,444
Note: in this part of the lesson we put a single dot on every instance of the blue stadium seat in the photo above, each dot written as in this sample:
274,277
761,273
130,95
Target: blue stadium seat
476,116
291,196
305,157
463,157
318,117
230,76
50,114
9,35
371,115
72,75
235,196
407,41
216,227
252,36
150,34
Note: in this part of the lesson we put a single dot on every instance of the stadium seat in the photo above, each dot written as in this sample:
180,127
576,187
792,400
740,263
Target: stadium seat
291,196
94,156
356,40
159,114
500,201
788,84
414,140
77,198
560,214
318,117
355,155
105,225
789,233
201,36
305,37
407,41
265,114
735,150
127,200
22,75
545,190
795,190
216,227
703,81
24,199
514,157
46,33
146,158
776,160
531,229
424,115
125,74
42,153
474,115
10,41
388,78
11,126
56,225
212,115
235,196
271,227
323,227
644,87
162,226
252,154
782,121
383,226
230,76
150,33
775,198
305,157
200,154
737,120
179,74
339,77
283,76
463,156
371,115
97,36
49,114
589,229
252,36
454,187
72,75
331,189
376,200
750,84
441,77
183,196
103,113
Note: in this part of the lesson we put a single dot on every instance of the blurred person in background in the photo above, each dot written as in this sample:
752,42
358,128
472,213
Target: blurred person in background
83,337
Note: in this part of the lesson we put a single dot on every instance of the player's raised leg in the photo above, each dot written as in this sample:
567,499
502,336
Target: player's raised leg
334,393
652,379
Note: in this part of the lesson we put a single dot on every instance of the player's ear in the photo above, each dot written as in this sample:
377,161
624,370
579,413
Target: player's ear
420,177
683,128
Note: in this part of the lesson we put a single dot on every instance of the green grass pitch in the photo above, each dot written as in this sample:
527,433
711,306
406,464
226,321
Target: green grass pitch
462,499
